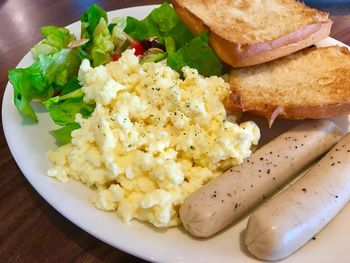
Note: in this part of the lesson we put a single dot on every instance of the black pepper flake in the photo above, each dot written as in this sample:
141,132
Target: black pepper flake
261,158
213,196
296,147
313,238
273,178
270,152
339,162
336,196
251,186
236,205
278,155
229,195
336,149
333,164
222,201
268,171
304,190
331,157
259,171
348,151
263,197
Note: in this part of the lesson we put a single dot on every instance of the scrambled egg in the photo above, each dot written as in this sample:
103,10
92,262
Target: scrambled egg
152,139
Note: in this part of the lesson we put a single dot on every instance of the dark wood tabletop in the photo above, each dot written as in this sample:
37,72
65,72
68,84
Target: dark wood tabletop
30,229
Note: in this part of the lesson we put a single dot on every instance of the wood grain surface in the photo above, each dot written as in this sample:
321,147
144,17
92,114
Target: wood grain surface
31,230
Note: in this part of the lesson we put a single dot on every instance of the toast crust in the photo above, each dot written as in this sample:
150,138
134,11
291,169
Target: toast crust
333,79
247,54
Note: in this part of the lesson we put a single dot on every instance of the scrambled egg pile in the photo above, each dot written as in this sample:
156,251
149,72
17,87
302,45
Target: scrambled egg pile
152,139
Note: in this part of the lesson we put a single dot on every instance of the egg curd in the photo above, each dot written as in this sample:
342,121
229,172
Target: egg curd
152,139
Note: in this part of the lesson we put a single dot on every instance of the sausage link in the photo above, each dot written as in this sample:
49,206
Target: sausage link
232,194
288,221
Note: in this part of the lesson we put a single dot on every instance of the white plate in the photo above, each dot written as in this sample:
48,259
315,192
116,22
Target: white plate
29,144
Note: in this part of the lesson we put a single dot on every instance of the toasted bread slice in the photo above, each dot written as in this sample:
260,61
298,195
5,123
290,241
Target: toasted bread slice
312,83
250,32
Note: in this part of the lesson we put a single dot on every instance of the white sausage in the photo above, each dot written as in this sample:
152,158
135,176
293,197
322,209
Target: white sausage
288,221
229,196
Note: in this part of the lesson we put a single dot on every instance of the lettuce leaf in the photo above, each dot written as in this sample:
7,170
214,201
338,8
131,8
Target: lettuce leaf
182,48
102,44
197,54
63,135
64,113
47,75
71,85
118,35
90,19
63,109
94,26
161,22
56,38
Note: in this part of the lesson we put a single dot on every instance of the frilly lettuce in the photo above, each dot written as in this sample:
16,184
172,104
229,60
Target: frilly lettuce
94,26
48,74
56,38
182,48
63,110
196,54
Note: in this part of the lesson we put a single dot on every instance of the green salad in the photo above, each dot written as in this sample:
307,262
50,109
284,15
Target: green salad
52,78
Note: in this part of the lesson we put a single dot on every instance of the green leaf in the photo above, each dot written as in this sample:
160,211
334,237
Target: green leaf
102,44
65,65
54,100
169,45
63,135
71,85
119,37
56,38
45,76
196,54
90,19
64,113
161,22
63,110
94,26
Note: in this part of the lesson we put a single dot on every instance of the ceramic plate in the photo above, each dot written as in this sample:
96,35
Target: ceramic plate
29,144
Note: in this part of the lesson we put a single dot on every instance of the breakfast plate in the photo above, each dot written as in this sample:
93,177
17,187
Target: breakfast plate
29,143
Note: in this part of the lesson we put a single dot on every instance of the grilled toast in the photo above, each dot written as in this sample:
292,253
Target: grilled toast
312,83
250,32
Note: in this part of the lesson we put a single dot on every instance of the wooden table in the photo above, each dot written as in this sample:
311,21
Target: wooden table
31,230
